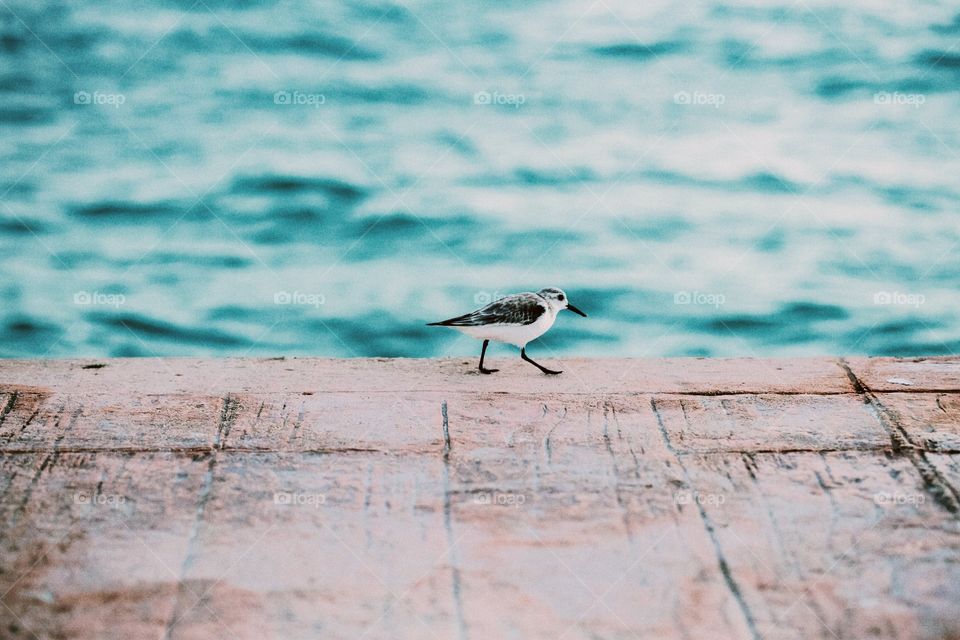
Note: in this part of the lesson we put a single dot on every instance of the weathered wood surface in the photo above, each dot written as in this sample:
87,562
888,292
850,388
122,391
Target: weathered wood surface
317,498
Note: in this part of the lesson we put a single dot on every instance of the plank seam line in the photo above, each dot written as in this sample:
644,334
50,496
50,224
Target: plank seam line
789,450
204,451
12,389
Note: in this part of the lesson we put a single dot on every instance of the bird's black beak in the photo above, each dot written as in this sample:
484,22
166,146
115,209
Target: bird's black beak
575,310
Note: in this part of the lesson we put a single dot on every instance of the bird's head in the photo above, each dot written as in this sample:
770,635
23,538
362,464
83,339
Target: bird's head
557,300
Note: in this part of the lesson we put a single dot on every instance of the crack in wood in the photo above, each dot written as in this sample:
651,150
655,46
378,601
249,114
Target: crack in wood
940,403
228,416
732,586
455,581
7,437
749,464
944,494
446,429
617,487
206,488
301,412
548,439
827,489
8,407
48,462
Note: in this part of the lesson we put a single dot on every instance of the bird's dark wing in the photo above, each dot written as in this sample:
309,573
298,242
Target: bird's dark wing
521,309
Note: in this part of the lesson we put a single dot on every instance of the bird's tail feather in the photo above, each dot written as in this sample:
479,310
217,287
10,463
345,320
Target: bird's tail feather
459,321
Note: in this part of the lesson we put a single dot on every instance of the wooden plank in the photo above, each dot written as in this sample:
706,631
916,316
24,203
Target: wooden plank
392,422
931,421
771,423
93,543
429,502
332,545
397,541
840,544
78,423
799,514
313,375
908,374
577,499
72,422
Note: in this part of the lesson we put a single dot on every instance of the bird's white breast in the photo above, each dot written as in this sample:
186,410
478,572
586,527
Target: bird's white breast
516,334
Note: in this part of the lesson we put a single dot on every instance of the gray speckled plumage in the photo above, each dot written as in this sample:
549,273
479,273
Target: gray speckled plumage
516,309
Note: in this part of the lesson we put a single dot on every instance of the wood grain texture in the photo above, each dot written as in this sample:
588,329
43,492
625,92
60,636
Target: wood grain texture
326,498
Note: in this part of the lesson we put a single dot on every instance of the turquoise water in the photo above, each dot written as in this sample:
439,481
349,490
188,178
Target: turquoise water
219,178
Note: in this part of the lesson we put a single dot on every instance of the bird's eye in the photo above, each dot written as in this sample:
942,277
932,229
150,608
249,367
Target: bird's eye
560,297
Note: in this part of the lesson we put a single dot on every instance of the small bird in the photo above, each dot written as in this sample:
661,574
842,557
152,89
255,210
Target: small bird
516,319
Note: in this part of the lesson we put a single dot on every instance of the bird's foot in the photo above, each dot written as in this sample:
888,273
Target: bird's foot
551,372
482,370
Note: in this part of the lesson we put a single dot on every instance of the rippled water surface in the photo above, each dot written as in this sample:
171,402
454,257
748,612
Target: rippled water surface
293,178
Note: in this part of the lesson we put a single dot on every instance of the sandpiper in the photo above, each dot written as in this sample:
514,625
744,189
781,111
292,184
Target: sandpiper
516,319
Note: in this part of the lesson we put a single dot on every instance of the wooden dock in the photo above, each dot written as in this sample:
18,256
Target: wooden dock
390,498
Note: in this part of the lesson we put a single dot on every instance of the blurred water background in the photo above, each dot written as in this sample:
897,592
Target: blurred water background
251,178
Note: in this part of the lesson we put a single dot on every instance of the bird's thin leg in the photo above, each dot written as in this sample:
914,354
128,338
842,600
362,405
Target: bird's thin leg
483,352
523,354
